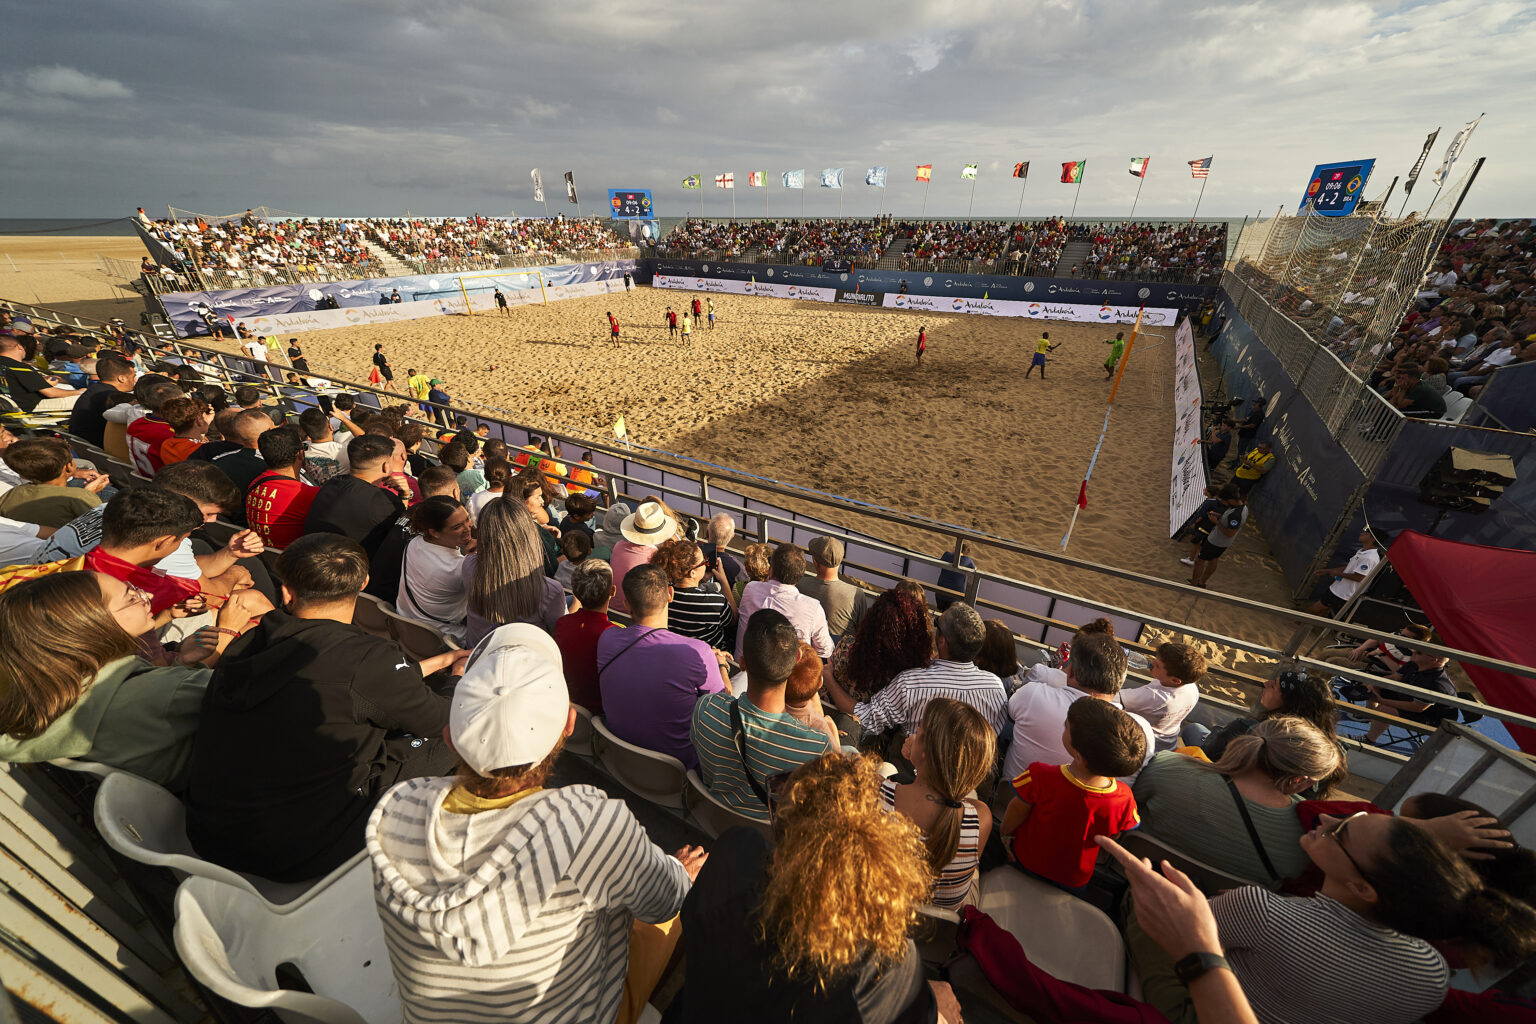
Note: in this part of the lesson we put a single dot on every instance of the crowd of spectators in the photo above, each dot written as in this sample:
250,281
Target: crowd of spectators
1474,313
1152,252
298,739
782,241
479,242
258,251
1129,250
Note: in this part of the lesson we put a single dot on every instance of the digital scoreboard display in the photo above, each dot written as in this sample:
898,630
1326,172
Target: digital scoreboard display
1335,189
630,204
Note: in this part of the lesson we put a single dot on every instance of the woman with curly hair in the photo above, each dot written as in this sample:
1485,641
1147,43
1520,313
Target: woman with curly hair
1290,693
895,634
707,615
815,928
757,559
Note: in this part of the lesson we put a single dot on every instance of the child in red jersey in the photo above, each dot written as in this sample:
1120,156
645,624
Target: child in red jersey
1057,810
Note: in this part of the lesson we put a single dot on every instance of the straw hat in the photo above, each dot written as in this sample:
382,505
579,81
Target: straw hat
649,524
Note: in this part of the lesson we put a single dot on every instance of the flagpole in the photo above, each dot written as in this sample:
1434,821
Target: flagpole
882,202
1080,176
802,199
926,187
733,200
1023,183
765,195
839,203
1202,196
1141,180
971,207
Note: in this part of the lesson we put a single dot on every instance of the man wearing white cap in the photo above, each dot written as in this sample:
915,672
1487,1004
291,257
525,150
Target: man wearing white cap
503,900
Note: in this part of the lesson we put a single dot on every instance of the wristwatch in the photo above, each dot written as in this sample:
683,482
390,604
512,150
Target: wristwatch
1197,964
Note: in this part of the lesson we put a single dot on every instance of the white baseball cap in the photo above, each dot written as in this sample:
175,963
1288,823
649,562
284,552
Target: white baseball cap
511,705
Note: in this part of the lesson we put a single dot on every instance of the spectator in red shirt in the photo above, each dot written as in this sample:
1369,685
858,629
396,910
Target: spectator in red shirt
576,634
278,500
1057,811
148,432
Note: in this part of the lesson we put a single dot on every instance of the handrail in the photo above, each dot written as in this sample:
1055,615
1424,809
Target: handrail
704,471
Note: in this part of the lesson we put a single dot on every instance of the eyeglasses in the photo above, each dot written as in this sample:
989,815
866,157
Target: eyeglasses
695,568
1336,833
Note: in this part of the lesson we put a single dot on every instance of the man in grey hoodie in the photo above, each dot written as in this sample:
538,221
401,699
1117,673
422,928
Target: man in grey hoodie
501,899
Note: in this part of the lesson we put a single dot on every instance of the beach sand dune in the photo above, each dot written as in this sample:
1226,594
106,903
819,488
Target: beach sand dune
830,397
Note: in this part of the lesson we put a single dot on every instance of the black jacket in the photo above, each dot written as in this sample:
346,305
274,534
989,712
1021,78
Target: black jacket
356,509
305,723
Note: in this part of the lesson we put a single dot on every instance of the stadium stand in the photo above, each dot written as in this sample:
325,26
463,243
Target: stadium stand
834,840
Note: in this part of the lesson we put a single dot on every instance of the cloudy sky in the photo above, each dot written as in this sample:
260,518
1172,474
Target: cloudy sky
442,107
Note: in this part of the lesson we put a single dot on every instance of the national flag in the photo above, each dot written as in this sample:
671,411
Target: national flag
1454,150
1200,168
1413,175
794,179
693,181
1021,169
924,172
1139,165
969,174
538,186
1082,493
726,180
757,179
875,176
570,188
1072,172
831,177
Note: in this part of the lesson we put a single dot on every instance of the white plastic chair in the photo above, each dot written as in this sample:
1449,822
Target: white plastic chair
712,814
101,771
1063,935
579,742
232,941
147,823
659,778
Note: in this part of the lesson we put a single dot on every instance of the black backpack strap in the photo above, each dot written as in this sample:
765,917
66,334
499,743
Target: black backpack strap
739,734
1253,833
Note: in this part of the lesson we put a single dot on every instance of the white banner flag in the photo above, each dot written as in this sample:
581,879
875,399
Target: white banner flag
538,186
1454,150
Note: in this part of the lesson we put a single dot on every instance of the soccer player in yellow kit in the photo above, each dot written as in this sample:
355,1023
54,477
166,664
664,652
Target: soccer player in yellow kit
1041,348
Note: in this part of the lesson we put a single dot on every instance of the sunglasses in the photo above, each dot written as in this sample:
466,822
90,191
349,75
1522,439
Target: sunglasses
1335,832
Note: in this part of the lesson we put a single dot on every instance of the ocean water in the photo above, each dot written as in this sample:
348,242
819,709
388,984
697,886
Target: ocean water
63,226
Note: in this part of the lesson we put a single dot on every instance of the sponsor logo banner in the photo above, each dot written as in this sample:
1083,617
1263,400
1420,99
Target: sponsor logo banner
1073,312
1187,489
837,265
860,298
763,288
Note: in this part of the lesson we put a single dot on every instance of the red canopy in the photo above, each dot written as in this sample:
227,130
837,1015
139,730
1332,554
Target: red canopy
1479,599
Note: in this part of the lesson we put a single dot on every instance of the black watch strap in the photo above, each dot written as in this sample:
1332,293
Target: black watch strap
1196,964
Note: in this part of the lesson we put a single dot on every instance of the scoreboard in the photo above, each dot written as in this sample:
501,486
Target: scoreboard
1335,189
630,204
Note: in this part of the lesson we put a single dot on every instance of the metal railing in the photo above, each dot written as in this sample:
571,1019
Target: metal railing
509,261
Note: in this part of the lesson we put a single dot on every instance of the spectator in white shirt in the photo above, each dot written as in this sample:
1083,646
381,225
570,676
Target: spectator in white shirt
953,674
1342,581
1039,712
1172,694
432,588
780,593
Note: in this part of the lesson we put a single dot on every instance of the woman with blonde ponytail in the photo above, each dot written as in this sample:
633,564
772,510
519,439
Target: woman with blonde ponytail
814,929
1237,815
952,751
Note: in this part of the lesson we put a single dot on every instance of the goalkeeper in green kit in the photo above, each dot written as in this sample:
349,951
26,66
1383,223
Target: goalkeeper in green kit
1116,350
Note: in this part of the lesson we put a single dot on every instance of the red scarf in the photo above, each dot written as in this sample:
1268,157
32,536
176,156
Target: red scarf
164,590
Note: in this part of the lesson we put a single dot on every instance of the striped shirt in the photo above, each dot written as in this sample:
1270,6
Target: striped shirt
515,914
902,702
704,616
775,743
1306,959
954,882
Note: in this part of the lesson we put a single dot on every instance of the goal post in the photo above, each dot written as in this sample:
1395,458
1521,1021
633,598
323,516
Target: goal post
519,282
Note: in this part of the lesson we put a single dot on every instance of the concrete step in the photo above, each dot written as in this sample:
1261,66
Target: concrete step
393,265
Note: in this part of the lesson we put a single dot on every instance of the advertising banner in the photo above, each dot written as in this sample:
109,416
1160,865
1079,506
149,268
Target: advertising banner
994,286
860,298
763,288
836,265
1072,312
1187,486
519,285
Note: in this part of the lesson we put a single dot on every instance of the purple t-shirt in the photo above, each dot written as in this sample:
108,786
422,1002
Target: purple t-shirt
650,684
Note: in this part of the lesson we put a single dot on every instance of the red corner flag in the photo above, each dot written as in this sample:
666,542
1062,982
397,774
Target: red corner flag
1082,495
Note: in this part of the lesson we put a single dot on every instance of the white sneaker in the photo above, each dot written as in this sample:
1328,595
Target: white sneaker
1186,561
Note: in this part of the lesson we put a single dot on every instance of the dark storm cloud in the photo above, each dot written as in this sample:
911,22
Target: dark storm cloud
379,107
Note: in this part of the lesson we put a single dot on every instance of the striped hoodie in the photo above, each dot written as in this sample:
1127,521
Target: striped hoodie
520,914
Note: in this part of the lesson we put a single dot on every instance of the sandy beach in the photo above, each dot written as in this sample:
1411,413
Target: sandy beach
828,397
64,272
